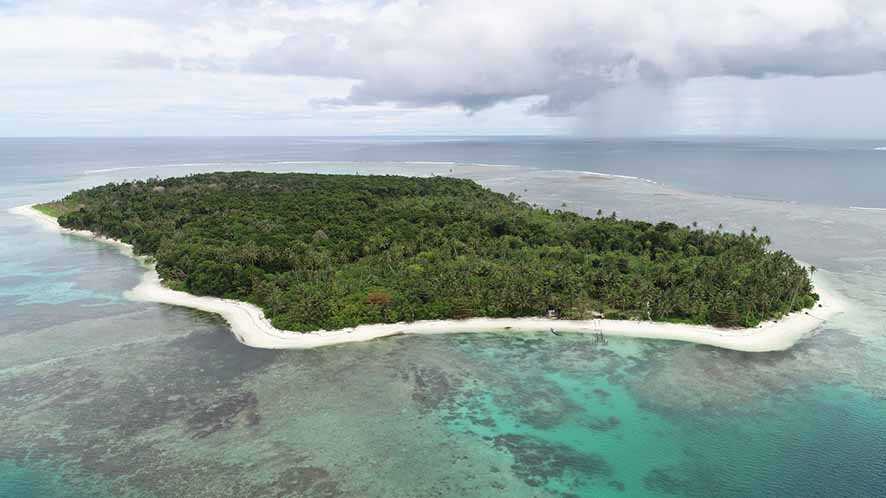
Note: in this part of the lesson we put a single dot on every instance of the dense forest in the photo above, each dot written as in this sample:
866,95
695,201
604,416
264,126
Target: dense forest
331,251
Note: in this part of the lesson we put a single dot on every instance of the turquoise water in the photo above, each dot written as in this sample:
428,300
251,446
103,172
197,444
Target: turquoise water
100,396
574,425
600,442
568,425
40,479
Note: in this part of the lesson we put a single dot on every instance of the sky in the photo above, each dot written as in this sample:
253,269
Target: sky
812,68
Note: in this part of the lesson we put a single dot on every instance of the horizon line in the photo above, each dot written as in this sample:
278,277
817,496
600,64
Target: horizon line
454,135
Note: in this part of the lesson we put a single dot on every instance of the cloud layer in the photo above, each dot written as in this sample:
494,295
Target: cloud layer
476,53
376,59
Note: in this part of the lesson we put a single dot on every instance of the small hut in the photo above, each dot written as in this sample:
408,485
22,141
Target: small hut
553,313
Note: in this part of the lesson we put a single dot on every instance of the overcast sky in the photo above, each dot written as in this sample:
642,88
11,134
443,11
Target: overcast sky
315,67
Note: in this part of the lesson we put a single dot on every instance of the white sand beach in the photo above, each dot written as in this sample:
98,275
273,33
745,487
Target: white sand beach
251,328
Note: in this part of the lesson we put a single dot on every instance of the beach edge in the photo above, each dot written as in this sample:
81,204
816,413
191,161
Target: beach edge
252,328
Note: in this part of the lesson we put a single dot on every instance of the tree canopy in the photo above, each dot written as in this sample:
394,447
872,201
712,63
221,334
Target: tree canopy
332,251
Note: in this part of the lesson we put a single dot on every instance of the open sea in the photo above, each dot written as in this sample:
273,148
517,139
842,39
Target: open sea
100,396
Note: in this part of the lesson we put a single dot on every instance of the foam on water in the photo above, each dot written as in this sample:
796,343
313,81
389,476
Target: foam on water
110,170
859,208
623,177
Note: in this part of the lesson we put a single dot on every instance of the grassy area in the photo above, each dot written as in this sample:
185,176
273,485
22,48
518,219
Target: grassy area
55,208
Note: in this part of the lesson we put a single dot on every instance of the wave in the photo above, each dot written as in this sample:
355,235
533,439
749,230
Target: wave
491,165
862,208
180,165
167,165
110,170
382,162
283,163
620,177
444,163
597,174
879,148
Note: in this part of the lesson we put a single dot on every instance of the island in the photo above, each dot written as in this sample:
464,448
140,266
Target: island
312,252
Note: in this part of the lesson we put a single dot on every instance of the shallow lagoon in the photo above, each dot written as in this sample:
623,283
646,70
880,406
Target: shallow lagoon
101,396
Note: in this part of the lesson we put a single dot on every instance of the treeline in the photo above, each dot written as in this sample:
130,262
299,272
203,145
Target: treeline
330,251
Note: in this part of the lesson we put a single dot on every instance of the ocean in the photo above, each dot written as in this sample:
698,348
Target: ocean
100,396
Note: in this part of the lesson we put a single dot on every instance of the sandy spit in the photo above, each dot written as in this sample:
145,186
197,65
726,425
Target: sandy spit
251,328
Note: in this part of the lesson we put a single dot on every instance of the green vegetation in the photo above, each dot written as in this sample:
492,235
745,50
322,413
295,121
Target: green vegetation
330,251
56,209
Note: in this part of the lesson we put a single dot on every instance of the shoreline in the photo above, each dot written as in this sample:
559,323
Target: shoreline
252,328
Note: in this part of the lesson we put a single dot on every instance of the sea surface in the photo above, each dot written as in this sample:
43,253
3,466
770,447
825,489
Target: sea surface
100,396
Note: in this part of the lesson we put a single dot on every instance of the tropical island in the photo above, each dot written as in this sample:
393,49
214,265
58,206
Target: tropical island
332,252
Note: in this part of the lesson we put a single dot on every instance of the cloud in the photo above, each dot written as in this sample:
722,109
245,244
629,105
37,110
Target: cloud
154,60
625,65
477,53
143,60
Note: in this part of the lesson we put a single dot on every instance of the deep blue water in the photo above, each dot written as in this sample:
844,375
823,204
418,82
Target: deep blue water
100,396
